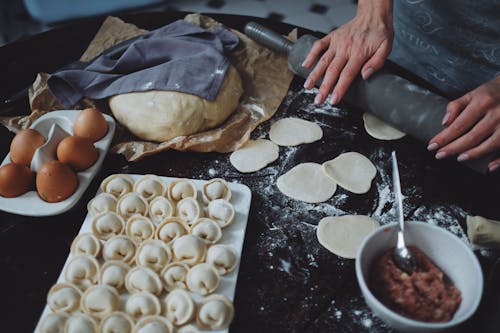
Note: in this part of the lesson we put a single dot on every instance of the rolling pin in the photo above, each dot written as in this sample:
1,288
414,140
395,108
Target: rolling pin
410,108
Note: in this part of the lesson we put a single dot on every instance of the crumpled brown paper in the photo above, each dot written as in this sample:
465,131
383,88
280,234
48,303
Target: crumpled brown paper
266,79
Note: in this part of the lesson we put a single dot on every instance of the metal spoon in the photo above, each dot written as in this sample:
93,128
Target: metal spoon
402,256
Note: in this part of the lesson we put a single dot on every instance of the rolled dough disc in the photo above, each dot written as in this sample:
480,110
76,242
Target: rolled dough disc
352,171
294,131
342,235
163,115
307,182
254,155
379,129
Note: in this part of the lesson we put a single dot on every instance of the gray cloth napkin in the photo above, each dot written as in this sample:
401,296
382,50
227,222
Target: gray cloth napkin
180,56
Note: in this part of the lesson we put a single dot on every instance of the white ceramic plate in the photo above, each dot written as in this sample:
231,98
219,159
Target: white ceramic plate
233,235
30,203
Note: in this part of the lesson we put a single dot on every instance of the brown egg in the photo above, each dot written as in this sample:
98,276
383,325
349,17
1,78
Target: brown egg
90,124
15,179
77,152
24,144
56,181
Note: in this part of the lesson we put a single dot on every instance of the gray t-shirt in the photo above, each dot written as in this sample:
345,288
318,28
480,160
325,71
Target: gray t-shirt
454,45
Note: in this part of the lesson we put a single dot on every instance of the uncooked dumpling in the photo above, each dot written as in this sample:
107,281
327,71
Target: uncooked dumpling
294,131
163,115
171,229
119,248
117,185
153,324
140,228
117,322
352,171
103,202
150,186
142,304
86,243
202,279
207,229
159,209
132,204
179,307
179,189
307,182
53,323
113,274
64,297
189,210
254,155
221,211
222,257
99,301
189,249
216,188
215,312
154,254
141,278
107,224
81,322
174,276
342,235
82,271
379,129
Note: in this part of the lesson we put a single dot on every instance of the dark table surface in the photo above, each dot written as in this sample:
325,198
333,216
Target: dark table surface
287,281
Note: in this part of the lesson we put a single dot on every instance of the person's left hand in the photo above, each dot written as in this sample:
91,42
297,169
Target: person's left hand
472,125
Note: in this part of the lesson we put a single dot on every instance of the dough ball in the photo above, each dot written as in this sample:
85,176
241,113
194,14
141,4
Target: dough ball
307,182
342,235
294,131
163,115
352,171
254,155
379,129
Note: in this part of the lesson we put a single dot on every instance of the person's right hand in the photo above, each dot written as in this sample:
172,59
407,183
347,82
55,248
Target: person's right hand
361,44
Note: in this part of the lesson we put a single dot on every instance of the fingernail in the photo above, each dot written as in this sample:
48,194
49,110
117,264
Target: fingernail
432,146
307,84
462,157
318,99
494,167
304,63
440,155
445,118
334,98
366,75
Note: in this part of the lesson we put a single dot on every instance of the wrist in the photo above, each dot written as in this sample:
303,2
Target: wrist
380,10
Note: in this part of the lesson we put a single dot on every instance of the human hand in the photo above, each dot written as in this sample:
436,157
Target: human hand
361,44
472,125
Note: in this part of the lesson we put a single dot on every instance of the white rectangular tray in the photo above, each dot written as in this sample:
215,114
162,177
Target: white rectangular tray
233,235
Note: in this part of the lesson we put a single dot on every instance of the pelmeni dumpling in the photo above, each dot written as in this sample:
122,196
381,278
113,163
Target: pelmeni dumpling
99,301
118,185
154,254
189,249
53,323
139,228
179,189
171,229
119,248
221,211
103,202
86,243
150,186
131,204
174,275
113,274
106,225
207,229
160,208
141,278
64,297
222,257
216,188
153,324
188,329
215,312
82,271
202,279
189,210
179,307
81,322
117,322
142,304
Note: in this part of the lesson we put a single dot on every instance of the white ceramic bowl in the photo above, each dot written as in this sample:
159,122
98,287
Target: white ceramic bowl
446,250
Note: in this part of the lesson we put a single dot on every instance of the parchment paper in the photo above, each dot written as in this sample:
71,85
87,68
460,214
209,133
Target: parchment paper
265,75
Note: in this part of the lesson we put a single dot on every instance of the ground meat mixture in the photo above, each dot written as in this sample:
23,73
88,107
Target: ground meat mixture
426,295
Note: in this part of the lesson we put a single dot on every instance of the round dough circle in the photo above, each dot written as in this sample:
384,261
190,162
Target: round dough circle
294,131
352,171
254,155
307,182
342,235
163,115
379,129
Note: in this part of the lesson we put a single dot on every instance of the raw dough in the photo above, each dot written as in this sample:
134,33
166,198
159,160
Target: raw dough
482,231
254,155
294,131
342,235
352,171
163,115
307,182
379,129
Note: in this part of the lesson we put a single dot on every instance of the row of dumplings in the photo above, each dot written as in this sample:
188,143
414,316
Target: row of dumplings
98,309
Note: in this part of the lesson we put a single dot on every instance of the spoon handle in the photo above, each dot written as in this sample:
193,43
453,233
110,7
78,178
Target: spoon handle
397,191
